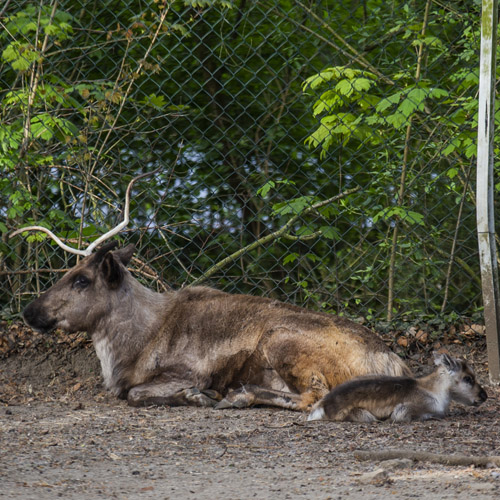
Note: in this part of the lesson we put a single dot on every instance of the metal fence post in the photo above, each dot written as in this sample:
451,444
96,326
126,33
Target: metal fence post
485,207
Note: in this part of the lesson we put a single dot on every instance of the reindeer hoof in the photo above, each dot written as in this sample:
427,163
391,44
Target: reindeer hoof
239,398
196,397
225,403
212,394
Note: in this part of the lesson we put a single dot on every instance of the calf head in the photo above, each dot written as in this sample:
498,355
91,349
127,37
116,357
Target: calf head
464,387
83,296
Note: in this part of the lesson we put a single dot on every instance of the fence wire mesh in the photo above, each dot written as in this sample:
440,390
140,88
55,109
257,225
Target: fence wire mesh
319,152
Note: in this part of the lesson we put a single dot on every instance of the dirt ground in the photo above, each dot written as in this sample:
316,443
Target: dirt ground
62,435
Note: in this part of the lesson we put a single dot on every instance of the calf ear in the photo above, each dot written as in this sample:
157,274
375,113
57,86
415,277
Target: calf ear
112,271
451,364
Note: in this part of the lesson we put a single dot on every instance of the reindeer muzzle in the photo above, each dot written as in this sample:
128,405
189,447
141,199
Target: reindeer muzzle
37,320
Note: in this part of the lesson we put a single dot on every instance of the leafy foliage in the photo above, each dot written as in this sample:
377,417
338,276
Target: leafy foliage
423,120
256,111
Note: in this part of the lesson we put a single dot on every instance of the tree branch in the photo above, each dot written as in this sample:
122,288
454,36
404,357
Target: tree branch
282,232
424,456
352,53
468,269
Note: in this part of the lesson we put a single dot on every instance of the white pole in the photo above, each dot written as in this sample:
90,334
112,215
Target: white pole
485,207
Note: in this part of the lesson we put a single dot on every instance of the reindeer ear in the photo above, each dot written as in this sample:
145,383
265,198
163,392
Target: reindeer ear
111,263
125,254
112,270
102,251
451,364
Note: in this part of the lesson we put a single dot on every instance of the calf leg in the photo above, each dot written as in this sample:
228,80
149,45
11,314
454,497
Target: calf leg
174,393
406,412
359,415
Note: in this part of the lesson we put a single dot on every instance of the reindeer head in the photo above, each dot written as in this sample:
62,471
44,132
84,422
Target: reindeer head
80,299
464,387
83,296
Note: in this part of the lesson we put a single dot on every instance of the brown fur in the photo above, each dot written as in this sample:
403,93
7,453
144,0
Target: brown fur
197,345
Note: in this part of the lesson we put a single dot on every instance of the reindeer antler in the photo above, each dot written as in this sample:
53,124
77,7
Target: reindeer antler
102,238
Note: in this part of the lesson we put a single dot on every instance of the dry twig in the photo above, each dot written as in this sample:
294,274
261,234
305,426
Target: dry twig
424,456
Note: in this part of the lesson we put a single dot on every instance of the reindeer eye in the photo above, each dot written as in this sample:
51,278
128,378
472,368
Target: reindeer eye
468,380
81,282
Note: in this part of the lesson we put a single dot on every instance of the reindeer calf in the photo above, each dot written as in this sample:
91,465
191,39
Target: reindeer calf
402,399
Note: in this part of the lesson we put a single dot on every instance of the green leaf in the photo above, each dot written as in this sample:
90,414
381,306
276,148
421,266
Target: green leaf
45,127
319,135
33,237
328,101
438,93
12,213
154,101
42,127
414,218
330,232
321,78
397,120
401,212
51,29
295,206
292,257
208,3
430,41
415,100
387,102
19,55
304,231
312,257
345,87
361,84
266,188
451,147
10,138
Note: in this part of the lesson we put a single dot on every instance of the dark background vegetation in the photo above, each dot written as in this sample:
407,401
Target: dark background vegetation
255,111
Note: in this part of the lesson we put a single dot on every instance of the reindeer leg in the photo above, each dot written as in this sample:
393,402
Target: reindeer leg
251,395
403,412
173,393
359,415
406,412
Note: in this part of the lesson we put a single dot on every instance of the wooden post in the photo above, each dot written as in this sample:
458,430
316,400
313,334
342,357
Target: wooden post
485,208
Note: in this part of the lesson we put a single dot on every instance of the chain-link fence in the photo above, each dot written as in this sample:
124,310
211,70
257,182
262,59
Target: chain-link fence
258,113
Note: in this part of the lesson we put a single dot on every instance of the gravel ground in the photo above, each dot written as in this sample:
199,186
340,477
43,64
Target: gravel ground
62,435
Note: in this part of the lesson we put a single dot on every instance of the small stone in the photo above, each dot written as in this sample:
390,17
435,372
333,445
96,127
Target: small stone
378,477
396,463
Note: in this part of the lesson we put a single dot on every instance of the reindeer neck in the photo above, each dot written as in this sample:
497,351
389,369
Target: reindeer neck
135,312
120,336
146,306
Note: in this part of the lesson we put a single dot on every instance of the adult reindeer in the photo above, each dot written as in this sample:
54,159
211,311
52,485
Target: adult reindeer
200,346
